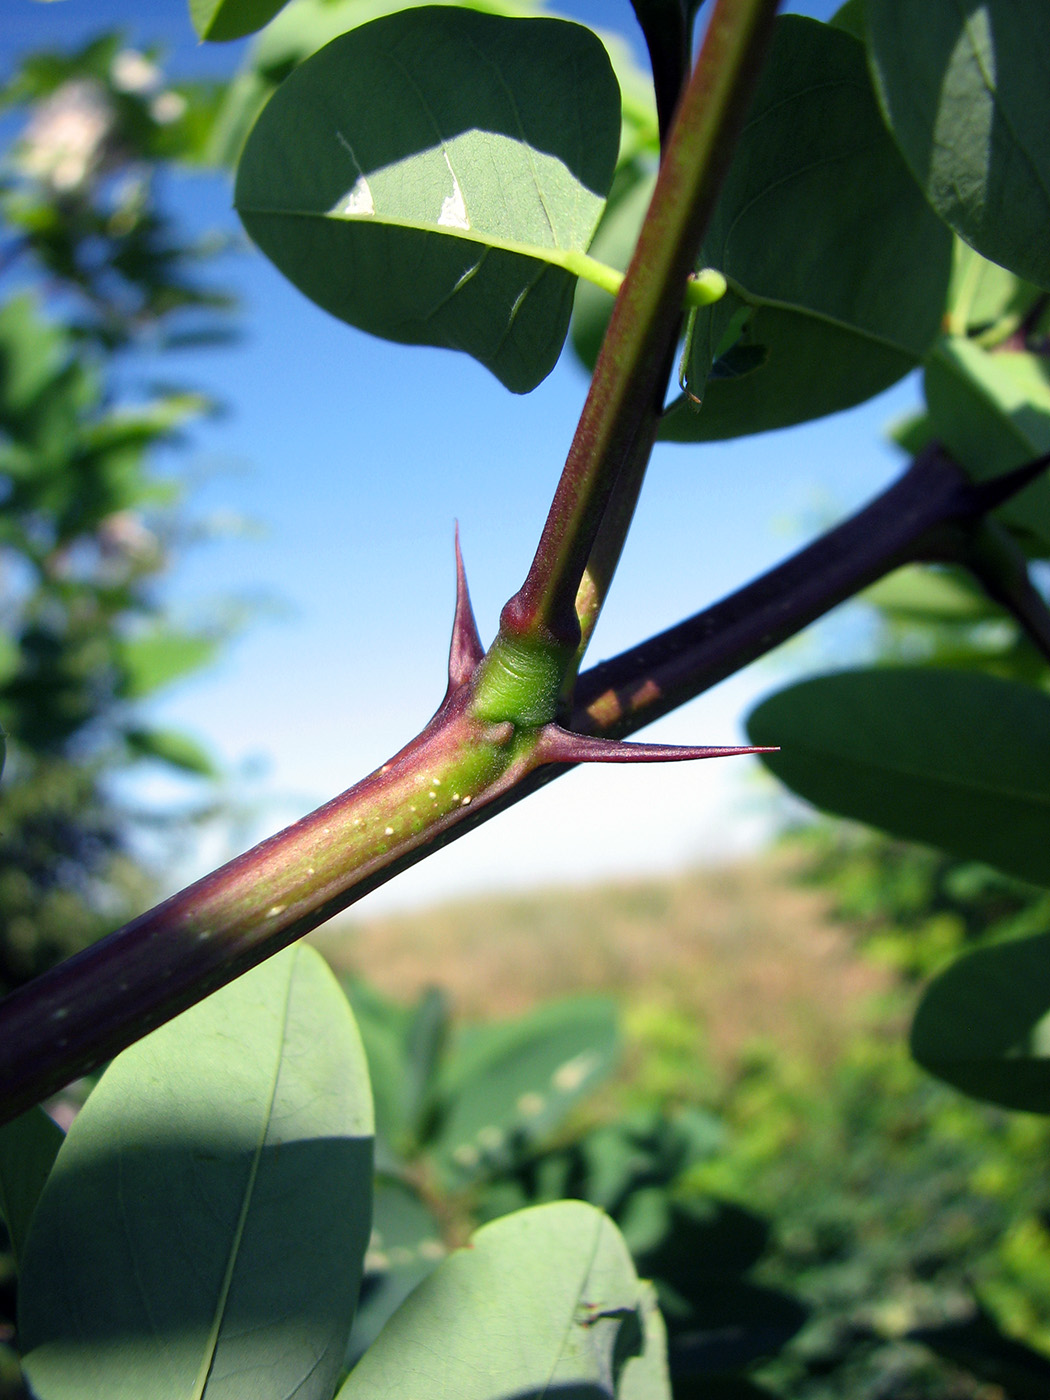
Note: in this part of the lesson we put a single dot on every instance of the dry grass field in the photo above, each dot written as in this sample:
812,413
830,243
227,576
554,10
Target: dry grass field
741,951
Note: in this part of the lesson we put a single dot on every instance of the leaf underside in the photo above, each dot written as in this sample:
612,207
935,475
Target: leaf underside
424,176
957,760
203,1229
837,267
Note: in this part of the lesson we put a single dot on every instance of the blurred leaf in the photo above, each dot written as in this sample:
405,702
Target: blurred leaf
850,17
28,1147
992,413
734,1324
155,659
697,1241
541,1303
613,245
510,1085
984,1024
646,1147
425,1042
958,760
408,198
384,1033
912,433
837,267
704,1387
982,293
219,20
204,1225
963,86
172,747
405,1247
981,1348
31,352
922,594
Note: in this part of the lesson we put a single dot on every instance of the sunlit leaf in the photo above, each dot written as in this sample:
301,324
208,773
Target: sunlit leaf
963,85
544,1302
957,760
920,594
156,658
172,747
430,177
203,1229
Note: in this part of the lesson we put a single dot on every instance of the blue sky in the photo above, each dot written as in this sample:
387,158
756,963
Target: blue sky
355,457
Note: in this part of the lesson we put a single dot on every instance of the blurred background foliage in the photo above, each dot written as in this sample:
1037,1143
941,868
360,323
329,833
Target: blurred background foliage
93,270
818,1226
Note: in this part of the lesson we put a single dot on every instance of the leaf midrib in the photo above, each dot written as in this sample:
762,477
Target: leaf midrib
212,1344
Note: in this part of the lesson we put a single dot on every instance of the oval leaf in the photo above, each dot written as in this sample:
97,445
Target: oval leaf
838,269
219,20
963,84
543,1302
984,1024
203,1229
426,178
957,760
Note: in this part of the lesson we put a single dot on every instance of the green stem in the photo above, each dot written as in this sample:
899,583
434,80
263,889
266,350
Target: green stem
701,288
627,383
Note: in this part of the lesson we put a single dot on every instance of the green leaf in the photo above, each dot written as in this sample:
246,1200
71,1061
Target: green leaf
219,20
158,657
405,1247
920,594
203,1228
384,1028
613,245
426,178
983,295
512,1084
984,1024
963,87
850,17
992,412
172,747
978,1345
31,354
837,267
957,760
28,1147
544,1302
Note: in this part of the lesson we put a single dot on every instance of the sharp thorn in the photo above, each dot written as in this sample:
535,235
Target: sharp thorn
557,745
466,649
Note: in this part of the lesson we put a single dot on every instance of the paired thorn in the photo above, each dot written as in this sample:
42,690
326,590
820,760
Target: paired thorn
557,745
466,650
